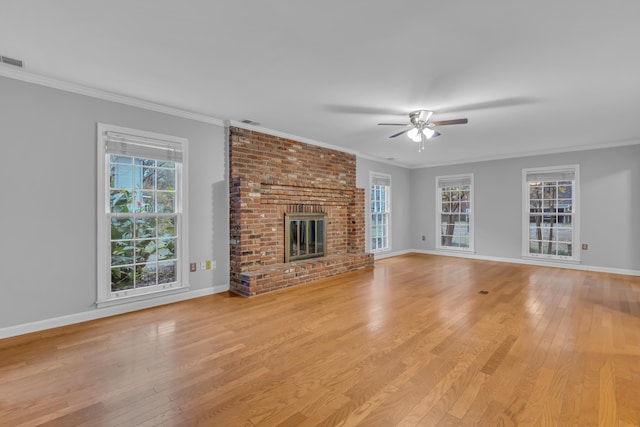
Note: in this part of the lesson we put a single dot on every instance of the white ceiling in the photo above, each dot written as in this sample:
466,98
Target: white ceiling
535,77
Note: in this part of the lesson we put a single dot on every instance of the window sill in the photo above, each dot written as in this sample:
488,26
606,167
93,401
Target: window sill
457,250
551,260
140,297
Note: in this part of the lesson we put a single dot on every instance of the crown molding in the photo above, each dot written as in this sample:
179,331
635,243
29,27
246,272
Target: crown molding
38,79
598,146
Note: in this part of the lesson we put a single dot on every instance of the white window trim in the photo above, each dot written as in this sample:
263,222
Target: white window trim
386,176
438,205
104,295
575,258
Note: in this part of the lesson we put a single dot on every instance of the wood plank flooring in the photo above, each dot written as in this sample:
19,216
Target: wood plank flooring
410,342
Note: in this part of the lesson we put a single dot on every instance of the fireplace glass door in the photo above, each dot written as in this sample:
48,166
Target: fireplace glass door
304,236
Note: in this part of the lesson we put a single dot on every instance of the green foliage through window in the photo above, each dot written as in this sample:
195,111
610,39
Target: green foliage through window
142,204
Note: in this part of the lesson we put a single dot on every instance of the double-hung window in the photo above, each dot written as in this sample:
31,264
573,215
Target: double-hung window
141,210
454,212
380,185
550,225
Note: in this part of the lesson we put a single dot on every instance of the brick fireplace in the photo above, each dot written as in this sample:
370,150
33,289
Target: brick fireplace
272,176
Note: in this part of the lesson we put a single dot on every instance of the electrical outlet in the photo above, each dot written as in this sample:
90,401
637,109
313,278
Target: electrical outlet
585,246
424,237
192,267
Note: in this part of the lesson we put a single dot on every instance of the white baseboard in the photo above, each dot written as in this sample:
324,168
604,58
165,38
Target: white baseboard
383,255
571,266
99,313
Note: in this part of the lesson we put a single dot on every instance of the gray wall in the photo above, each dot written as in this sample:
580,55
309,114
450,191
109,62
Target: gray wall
48,193
609,204
401,238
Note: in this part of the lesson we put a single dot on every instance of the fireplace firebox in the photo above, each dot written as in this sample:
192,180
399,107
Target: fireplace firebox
305,235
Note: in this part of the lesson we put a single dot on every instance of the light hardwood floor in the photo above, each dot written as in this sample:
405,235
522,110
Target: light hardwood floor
410,342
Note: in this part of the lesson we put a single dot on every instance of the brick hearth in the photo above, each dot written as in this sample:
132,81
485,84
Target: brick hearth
272,175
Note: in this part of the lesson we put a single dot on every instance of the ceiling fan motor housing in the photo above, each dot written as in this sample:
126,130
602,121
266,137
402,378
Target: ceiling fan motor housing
420,117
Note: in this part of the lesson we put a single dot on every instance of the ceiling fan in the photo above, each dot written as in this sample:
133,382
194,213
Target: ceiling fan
420,128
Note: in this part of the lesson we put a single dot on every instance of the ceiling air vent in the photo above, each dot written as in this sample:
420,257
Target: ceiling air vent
250,122
11,61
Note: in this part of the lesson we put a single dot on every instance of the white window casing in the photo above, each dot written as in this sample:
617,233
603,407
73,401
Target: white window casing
155,205
551,213
455,213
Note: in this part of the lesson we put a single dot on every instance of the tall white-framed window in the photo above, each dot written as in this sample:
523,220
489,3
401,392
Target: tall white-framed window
550,212
142,250
380,185
454,212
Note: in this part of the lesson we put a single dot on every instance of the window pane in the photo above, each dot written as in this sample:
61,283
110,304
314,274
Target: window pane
535,206
145,227
535,247
121,228
549,191
535,233
121,278
166,179
166,249
121,176
565,219
145,250
535,191
167,226
565,249
120,201
121,159
565,234
549,248
148,178
122,252
167,272
144,201
166,202
547,232
145,275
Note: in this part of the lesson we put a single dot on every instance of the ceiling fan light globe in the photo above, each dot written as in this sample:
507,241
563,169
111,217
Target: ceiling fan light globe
414,135
428,132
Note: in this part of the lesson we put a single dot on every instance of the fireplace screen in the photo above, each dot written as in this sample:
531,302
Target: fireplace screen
304,236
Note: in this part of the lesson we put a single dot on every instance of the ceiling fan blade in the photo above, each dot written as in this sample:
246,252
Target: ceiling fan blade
436,134
496,103
449,122
400,133
394,124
